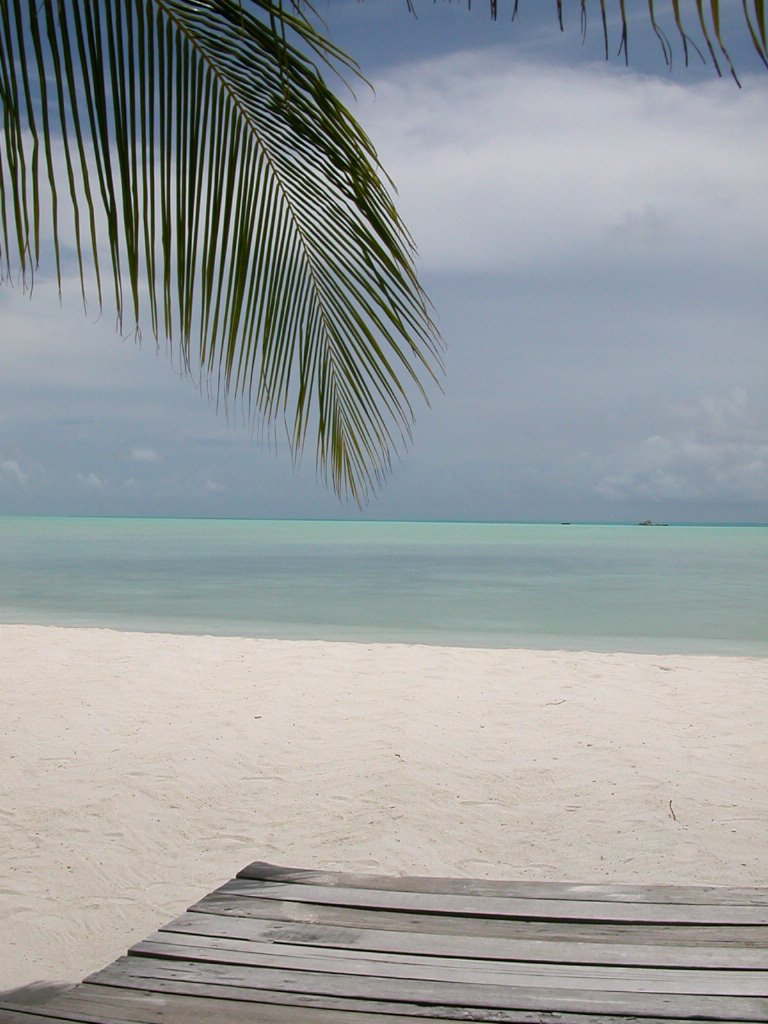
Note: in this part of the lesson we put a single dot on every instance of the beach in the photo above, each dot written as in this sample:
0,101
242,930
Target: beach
139,771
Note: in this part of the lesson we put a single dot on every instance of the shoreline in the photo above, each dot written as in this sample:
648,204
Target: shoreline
642,647
138,771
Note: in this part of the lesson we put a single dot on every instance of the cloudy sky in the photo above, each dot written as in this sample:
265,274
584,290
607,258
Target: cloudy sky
595,243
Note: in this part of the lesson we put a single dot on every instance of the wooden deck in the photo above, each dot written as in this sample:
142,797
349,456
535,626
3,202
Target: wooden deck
284,946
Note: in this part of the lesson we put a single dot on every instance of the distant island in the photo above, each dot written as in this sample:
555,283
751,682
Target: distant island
650,522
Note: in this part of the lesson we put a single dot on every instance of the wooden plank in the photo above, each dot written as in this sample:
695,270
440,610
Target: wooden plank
212,1009
502,906
285,946
534,950
606,892
475,972
45,1014
132,1006
227,904
11,1015
143,971
245,1007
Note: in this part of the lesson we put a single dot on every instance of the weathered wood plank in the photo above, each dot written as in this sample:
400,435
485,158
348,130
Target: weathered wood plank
475,972
132,1006
605,892
9,1015
143,971
45,1014
285,946
502,906
480,947
228,904
244,1007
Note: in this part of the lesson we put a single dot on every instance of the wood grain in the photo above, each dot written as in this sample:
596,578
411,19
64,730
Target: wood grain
287,946
224,903
503,906
707,894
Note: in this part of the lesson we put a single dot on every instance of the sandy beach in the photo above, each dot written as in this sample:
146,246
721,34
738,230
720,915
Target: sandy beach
140,771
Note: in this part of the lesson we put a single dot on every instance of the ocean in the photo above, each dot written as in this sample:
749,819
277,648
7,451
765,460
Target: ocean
674,589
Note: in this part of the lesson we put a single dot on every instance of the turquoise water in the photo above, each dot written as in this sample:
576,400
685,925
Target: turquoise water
602,588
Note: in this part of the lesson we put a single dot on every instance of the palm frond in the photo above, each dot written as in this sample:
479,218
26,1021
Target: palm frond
219,188
705,17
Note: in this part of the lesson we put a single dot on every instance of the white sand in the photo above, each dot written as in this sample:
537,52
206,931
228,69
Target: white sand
140,771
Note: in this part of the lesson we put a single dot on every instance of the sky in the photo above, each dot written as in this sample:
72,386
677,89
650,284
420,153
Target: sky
594,240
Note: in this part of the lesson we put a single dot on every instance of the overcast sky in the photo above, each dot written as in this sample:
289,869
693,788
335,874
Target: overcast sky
594,241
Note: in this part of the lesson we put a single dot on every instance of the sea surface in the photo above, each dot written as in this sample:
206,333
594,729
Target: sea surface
674,589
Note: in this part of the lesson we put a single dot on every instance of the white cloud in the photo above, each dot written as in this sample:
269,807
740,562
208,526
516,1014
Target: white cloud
505,169
146,455
91,480
11,469
504,164
730,415
213,487
721,450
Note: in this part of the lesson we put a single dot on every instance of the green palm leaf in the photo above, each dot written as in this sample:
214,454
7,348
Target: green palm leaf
220,185
705,17
191,155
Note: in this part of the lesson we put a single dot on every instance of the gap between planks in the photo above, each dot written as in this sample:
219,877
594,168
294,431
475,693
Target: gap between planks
469,971
605,892
185,976
374,941
501,906
222,903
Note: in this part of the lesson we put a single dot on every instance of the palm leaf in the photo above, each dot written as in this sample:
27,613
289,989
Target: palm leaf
706,18
217,180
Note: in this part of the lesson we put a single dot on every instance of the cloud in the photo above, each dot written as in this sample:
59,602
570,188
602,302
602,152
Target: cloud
91,480
730,415
212,487
11,469
506,164
593,241
720,450
146,455
681,469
